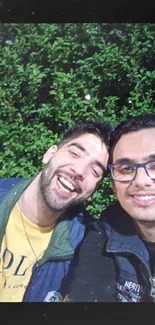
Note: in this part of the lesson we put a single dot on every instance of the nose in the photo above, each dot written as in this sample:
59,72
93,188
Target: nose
142,179
80,169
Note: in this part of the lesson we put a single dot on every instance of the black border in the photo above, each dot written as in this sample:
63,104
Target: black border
75,11
47,313
52,11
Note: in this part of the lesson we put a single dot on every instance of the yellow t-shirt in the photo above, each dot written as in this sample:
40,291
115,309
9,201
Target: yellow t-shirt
17,257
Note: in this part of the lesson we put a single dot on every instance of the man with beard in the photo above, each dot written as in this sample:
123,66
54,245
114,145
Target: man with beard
117,257
43,219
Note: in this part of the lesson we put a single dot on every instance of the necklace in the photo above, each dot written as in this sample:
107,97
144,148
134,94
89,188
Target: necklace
26,234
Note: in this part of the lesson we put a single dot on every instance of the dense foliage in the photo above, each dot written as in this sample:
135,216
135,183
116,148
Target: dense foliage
52,75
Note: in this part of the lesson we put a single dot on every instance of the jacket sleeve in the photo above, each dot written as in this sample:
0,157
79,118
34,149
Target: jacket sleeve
93,271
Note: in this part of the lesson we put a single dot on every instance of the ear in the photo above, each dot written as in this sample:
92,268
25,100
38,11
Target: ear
49,153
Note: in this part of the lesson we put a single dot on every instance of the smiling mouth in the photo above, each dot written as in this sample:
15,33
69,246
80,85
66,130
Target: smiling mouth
143,200
144,197
65,185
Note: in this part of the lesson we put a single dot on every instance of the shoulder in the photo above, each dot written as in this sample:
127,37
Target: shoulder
94,240
6,184
79,214
111,211
115,218
9,182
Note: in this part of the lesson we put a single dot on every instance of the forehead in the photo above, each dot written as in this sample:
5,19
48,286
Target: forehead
135,145
86,138
92,144
89,141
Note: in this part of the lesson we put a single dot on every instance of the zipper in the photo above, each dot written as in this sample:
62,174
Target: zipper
151,279
35,266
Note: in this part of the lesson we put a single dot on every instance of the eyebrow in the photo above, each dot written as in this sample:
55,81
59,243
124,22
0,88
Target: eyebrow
125,160
75,144
79,146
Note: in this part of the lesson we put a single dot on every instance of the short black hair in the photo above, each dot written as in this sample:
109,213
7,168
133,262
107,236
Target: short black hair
133,124
99,128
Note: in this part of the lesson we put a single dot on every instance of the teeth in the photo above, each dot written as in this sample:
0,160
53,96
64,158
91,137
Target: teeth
144,198
65,182
64,189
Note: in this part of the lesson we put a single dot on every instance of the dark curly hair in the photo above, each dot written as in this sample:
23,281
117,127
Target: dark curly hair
98,128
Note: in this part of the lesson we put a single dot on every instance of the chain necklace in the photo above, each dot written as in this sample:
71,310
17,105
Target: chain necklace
28,239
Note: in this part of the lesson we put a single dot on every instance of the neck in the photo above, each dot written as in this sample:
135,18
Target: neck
146,230
34,208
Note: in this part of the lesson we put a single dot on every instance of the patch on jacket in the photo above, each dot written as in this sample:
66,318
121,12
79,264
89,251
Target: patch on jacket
128,291
53,296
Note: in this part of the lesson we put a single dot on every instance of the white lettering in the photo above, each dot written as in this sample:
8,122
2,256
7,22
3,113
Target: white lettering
128,284
134,286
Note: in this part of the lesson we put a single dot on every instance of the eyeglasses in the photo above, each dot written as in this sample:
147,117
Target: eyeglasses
127,172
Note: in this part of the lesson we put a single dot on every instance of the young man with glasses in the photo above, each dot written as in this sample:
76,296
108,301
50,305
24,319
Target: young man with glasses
117,258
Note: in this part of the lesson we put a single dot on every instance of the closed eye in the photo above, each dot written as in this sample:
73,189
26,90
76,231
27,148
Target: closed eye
74,154
95,172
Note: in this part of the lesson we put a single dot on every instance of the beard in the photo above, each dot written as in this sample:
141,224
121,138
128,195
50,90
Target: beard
53,200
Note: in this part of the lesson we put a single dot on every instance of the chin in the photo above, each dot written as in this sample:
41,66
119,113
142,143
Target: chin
144,218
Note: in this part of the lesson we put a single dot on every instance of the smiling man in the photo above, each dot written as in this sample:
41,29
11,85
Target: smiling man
43,219
74,172
119,250
134,174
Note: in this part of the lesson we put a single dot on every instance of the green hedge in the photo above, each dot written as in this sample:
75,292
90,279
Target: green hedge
46,70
